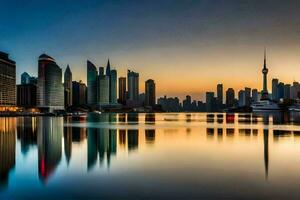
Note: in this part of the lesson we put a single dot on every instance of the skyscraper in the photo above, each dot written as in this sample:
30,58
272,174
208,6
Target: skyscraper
79,93
254,95
113,87
150,97
264,93
220,95
122,90
275,89
27,91
210,101
247,96
68,87
280,90
25,78
133,85
103,88
92,76
287,91
7,82
50,88
230,98
242,98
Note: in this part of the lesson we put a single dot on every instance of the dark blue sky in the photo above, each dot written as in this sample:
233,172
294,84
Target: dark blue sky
153,37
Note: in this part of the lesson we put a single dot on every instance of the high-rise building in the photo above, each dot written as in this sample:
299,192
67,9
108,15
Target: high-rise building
220,95
210,101
254,95
25,78
103,88
275,89
287,91
230,98
122,90
133,86
264,93
7,82
27,91
280,90
247,96
113,87
92,77
50,91
242,98
26,95
68,87
79,93
150,97
295,90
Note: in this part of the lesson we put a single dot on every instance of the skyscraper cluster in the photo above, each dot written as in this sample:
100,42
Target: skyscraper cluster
282,91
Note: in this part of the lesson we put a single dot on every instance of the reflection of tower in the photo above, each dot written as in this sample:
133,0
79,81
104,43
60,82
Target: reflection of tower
92,141
49,145
26,132
266,151
264,94
7,148
133,139
68,142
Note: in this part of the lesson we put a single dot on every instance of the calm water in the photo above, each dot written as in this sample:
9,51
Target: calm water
134,156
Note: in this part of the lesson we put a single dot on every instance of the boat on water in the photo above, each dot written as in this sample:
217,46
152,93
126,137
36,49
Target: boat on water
265,105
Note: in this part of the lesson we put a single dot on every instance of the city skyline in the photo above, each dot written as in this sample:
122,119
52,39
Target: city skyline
233,32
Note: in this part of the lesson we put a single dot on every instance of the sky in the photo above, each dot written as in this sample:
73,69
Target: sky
186,46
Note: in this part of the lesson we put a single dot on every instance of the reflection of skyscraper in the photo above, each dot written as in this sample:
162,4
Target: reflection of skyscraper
101,141
133,139
150,118
150,136
7,148
49,145
92,141
266,151
68,141
122,138
26,132
133,118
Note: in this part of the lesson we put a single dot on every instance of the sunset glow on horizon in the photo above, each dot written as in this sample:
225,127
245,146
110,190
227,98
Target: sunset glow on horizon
187,47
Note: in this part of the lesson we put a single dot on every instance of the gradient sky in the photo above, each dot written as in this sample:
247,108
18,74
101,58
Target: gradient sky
186,46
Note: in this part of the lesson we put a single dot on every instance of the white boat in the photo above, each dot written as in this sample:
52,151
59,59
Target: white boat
265,105
295,107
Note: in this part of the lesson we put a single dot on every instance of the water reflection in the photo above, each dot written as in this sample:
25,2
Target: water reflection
109,141
7,149
50,130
